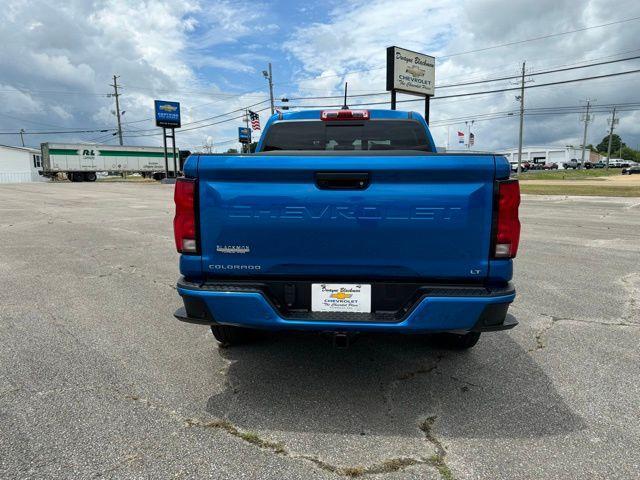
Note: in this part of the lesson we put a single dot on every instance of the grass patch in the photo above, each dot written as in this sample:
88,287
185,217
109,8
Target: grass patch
353,471
591,174
589,190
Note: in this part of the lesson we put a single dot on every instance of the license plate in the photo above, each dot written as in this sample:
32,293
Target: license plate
340,297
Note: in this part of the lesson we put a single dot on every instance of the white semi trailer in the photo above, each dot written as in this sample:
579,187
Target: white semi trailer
82,162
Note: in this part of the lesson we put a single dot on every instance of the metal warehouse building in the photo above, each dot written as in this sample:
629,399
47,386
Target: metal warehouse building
549,154
20,164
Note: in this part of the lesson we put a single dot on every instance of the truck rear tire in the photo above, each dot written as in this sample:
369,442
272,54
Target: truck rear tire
229,336
75,177
454,341
90,177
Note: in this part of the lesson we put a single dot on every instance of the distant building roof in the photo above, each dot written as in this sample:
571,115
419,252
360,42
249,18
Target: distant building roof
26,149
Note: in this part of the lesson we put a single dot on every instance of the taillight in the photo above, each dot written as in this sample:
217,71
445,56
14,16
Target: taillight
507,229
184,223
332,115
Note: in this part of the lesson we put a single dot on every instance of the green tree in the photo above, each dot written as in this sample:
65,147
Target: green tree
615,144
629,154
232,150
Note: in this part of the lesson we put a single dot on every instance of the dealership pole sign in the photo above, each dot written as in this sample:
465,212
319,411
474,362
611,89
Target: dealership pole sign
244,135
167,114
168,117
410,72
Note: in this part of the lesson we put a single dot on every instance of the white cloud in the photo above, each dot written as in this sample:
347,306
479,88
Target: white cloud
195,51
58,62
355,37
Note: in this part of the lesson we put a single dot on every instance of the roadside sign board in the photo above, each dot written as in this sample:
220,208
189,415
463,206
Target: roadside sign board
410,72
244,135
167,114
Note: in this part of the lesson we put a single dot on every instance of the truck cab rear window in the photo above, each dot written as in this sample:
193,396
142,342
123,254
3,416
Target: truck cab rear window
347,136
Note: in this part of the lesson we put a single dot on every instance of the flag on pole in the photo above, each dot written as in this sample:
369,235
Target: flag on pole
460,137
472,139
255,120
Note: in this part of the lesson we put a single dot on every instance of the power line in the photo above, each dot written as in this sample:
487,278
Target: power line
52,92
201,126
484,92
545,72
52,133
542,37
484,49
488,80
197,92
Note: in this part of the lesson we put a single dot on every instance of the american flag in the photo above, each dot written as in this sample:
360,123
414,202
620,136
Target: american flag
255,120
460,137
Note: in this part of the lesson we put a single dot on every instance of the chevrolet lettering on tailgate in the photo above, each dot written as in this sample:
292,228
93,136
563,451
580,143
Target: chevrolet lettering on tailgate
347,222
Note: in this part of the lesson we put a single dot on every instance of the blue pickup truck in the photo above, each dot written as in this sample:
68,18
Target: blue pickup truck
345,222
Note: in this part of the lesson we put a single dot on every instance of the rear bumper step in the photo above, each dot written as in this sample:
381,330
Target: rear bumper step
429,308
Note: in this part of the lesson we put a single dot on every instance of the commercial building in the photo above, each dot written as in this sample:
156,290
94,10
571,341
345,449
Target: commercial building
20,164
549,154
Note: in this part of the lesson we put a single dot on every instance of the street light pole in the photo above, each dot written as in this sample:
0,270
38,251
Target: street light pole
269,76
613,122
21,136
520,135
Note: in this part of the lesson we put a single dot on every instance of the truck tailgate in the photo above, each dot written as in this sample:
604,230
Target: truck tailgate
424,216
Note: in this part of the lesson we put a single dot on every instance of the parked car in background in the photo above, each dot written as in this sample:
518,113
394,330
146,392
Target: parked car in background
550,166
537,165
574,164
631,170
600,164
618,163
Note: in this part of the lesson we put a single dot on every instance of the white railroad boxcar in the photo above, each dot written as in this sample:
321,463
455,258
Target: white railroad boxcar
81,162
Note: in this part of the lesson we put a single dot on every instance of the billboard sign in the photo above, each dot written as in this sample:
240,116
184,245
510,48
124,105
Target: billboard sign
410,72
167,114
244,135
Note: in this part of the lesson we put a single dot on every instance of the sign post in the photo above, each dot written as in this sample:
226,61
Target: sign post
410,72
168,117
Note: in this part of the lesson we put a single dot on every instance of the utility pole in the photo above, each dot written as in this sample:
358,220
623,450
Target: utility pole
448,137
587,119
269,76
613,122
21,136
520,135
116,95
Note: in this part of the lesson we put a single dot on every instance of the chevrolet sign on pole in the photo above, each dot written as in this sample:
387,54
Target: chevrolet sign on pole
410,72
168,116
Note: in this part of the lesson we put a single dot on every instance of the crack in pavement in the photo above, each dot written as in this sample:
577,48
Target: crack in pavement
631,308
439,459
402,377
553,320
386,466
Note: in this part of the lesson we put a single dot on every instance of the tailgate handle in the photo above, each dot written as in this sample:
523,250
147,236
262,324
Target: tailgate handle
342,180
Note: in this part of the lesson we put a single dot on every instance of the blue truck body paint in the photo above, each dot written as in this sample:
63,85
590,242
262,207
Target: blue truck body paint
421,217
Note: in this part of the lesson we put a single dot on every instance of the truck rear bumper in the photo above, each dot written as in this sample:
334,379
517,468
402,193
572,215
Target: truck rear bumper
441,310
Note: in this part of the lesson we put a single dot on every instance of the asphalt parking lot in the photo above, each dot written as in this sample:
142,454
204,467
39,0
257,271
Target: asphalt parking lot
98,380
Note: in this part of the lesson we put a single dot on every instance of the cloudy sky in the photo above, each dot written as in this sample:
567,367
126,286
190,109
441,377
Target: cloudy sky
57,60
